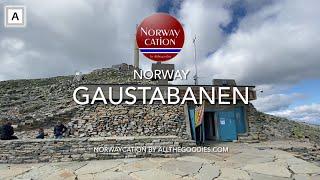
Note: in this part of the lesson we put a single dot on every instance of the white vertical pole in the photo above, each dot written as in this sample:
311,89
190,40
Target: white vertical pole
136,53
195,77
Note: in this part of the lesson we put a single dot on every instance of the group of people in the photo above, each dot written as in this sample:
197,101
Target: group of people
7,132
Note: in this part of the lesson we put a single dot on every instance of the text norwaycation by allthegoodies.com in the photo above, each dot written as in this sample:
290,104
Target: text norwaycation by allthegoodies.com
161,149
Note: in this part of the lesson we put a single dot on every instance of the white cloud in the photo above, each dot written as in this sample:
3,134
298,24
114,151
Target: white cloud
275,45
12,44
71,35
304,113
276,102
203,19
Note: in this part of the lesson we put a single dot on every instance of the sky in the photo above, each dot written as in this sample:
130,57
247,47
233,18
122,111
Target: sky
272,44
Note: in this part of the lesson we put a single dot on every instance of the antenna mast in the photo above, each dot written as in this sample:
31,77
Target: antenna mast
195,77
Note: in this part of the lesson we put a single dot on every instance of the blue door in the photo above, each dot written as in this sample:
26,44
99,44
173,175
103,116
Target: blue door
192,125
227,126
240,123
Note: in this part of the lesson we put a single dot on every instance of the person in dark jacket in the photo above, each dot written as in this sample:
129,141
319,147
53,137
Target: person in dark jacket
7,132
59,129
40,134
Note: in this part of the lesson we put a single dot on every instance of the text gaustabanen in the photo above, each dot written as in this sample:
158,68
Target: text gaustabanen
170,95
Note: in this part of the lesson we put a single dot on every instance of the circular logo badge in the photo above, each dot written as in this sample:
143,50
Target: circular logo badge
160,37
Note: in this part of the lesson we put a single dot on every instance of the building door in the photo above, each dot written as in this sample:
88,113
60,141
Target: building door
192,125
240,123
227,126
209,126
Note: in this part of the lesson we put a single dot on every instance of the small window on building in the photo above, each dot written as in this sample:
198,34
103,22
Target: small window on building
224,83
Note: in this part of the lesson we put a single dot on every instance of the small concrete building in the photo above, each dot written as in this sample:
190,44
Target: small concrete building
221,122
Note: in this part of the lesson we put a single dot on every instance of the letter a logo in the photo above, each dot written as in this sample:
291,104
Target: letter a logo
15,16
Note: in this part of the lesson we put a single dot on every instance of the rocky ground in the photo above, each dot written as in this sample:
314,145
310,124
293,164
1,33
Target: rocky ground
35,103
268,127
261,161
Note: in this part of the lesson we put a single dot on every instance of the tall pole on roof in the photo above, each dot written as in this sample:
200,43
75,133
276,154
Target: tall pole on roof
195,77
136,51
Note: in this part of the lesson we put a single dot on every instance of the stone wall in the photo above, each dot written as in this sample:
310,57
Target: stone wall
101,120
50,120
256,131
78,149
